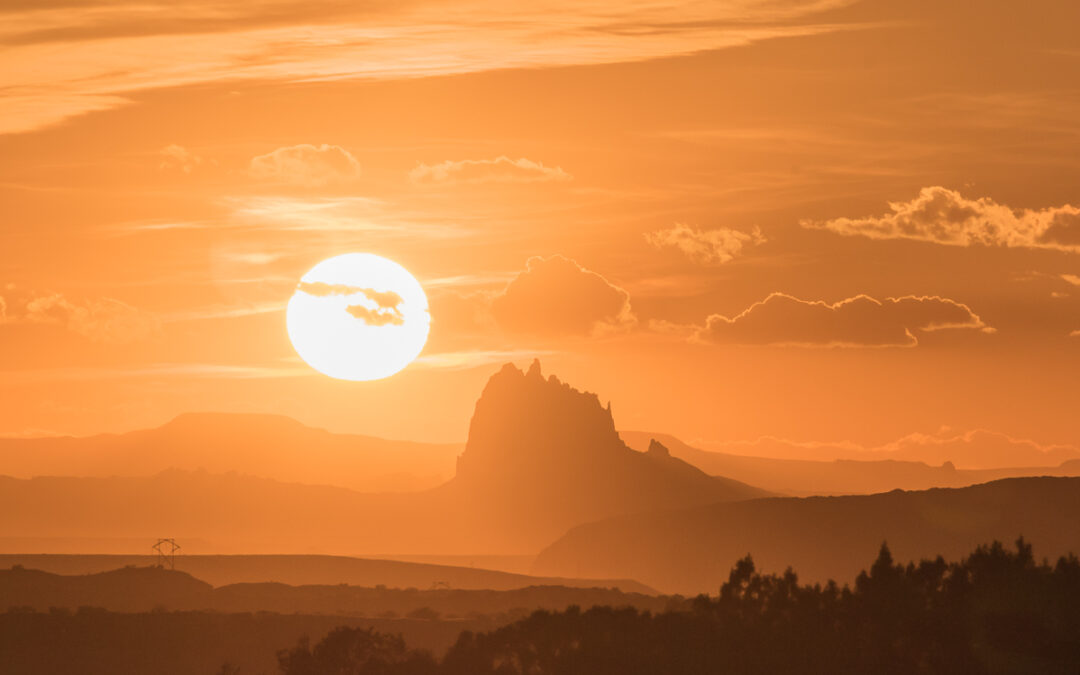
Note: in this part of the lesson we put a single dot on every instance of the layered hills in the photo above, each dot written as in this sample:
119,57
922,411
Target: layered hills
691,550
145,589
307,570
541,457
805,477
270,446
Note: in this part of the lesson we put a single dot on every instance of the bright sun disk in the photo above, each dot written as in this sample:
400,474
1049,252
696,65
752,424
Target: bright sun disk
358,316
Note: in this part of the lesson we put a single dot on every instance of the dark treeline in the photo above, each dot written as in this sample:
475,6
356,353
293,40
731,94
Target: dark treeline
997,611
91,641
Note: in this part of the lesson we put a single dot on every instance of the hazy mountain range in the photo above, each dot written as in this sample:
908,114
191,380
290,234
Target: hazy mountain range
804,477
267,446
541,457
692,550
974,449
543,463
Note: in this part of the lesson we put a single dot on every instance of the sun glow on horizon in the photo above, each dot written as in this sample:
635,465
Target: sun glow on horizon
358,316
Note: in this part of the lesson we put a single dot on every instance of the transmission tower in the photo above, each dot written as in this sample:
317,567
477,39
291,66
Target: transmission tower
166,553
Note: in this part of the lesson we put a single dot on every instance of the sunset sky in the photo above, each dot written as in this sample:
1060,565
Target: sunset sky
818,220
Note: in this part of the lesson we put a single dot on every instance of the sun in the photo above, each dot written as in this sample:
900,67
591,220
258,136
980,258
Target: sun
358,317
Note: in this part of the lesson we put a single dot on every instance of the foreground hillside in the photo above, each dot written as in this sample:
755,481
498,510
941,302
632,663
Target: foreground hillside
688,550
304,570
144,589
98,642
995,611
137,620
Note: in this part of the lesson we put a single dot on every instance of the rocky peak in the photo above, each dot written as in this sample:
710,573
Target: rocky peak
657,449
524,419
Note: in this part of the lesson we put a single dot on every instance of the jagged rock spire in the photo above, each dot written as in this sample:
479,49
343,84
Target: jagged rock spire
524,420
658,448
534,370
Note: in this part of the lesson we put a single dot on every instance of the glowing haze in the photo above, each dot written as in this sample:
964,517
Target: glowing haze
826,223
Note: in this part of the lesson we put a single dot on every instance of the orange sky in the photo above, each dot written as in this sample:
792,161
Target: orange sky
811,219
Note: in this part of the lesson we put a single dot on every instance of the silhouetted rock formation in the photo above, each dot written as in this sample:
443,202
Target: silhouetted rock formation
543,456
523,421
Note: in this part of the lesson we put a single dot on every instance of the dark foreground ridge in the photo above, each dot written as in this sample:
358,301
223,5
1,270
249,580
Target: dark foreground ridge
145,589
996,611
310,570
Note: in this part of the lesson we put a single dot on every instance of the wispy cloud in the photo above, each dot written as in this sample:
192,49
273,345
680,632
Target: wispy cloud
62,62
170,370
464,360
366,215
225,311
179,158
498,170
99,319
469,280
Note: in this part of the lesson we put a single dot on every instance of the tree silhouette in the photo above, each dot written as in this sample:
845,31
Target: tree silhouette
354,651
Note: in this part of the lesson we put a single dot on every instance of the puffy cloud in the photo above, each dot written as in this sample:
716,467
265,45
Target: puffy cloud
498,170
1071,279
100,320
860,321
557,297
944,216
307,165
179,158
720,245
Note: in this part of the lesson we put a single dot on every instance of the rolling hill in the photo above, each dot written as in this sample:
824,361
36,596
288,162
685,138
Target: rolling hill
267,446
145,589
692,550
308,570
